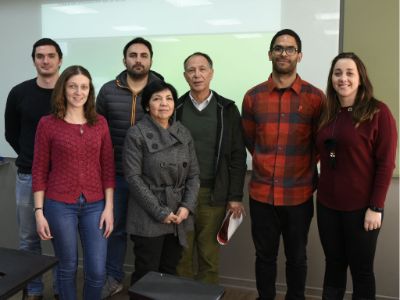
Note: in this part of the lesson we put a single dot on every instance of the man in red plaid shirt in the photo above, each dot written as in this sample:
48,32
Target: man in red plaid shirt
280,117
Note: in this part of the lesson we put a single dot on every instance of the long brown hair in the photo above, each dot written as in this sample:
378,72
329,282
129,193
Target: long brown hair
365,105
59,101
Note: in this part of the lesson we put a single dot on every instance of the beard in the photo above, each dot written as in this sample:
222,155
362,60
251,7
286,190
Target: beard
289,69
138,74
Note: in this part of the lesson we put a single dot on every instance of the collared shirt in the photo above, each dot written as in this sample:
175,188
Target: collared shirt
201,105
279,129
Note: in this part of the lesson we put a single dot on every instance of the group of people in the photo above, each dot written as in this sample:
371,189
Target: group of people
138,160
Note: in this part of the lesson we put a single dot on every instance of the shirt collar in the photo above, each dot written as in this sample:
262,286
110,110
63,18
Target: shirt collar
296,85
202,104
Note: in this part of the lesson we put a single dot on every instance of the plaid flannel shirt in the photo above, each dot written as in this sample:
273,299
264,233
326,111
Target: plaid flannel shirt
279,130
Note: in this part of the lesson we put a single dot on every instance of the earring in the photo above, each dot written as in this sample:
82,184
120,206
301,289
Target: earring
147,109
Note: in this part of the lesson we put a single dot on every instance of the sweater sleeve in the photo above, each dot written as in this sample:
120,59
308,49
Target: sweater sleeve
41,158
12,121
132,161
107,157
384,155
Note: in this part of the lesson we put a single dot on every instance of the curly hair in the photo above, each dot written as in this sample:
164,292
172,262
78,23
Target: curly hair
365,105
59,101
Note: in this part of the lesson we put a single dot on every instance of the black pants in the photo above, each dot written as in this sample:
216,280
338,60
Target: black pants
158,254
268,223
347,244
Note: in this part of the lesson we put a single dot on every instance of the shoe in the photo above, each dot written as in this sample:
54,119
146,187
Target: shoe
111,287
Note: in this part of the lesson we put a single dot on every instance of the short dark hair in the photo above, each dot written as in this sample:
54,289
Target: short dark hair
46,42
286,32
206,56
139,40
154,87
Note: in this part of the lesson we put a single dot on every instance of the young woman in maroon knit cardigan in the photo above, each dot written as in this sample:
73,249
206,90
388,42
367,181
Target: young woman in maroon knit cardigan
356,141
73,182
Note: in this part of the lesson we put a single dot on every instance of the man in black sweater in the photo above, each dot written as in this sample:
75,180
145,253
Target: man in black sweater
215,125
27,102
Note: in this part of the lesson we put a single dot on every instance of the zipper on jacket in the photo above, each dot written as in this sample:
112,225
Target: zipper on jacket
134,98
220,138
133,111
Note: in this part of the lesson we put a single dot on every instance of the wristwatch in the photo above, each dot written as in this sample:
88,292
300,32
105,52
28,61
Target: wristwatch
376,209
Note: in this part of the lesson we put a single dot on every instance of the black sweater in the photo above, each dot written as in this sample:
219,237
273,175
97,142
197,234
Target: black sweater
26,104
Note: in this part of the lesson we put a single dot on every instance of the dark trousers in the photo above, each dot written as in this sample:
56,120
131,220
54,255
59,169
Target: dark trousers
158,254
347,244
268,223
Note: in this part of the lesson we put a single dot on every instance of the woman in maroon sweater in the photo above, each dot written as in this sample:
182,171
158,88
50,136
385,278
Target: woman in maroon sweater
73,182
357,144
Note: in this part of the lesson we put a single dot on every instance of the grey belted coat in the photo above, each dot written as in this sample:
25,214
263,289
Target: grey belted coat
160,166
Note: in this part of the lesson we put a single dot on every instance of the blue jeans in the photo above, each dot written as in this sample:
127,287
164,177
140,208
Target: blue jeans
268,223
65,221
117,242
28,237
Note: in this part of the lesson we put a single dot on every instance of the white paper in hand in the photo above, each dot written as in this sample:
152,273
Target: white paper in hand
228,227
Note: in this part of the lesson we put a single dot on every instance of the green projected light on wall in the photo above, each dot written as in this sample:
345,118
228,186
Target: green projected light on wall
234,59
223,29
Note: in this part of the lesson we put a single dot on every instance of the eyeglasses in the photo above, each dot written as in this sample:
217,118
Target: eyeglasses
278,50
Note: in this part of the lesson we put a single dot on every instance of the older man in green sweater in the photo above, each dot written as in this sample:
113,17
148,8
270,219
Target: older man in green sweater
215,125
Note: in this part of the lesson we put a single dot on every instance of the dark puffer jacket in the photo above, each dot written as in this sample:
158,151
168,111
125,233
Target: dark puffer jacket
122,109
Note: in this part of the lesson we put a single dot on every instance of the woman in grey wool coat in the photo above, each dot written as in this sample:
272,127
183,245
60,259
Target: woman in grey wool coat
160,166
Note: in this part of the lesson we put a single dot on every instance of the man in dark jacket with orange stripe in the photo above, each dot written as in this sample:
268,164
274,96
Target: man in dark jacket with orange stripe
119,101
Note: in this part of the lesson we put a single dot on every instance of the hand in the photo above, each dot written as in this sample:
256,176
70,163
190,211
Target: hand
42,226
372,220
236,208
107,221
171,218
181,214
